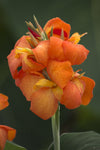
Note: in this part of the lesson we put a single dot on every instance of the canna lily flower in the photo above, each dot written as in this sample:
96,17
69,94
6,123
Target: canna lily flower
3,101
41,64
6,133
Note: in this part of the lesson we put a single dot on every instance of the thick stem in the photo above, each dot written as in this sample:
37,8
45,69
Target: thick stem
56,129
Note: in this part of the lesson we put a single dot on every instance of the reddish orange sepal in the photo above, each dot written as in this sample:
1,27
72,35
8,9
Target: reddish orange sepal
6,133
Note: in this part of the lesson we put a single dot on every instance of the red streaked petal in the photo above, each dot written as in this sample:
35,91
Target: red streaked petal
60,72
44,103
33,33
71,96
26,82
3,101
41,52
55,50
57,25
88,92
75,53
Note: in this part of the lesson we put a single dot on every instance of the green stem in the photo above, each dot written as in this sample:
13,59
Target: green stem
56,129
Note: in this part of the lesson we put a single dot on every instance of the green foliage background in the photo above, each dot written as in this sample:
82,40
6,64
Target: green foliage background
84,16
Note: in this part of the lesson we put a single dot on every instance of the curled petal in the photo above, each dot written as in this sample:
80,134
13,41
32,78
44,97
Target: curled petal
44,83
60,72
57,25
29,65
6,133
80,84
55,50
43,103
41,52
26,82
75,38
3,101
22,58
14,62
75,53
71,96
88,92
23,42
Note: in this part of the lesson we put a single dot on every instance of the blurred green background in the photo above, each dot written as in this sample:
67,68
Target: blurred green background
84,16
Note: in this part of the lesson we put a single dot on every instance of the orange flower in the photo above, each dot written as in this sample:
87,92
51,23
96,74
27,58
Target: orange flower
6,133
3,101
41,65
61,47
79,90
42,93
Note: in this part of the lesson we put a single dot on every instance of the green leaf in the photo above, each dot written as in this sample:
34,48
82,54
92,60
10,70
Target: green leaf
80,141
13,146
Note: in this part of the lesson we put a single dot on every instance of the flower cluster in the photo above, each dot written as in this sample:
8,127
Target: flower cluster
41,64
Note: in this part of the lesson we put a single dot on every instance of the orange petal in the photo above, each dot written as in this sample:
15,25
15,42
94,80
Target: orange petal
13,63
57,25
75,53
71,96
88,93
60,72
55,50
44,103
26,82
23,42
41,52
3,101
6,133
